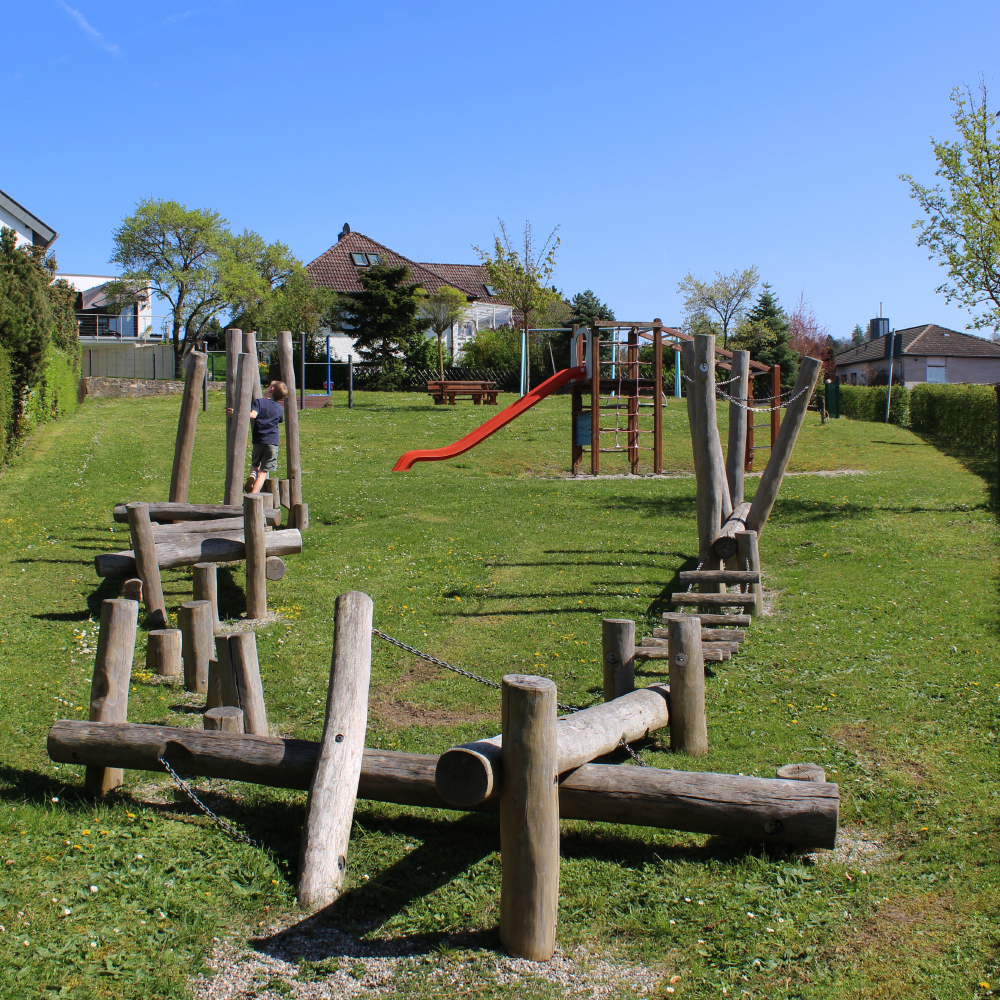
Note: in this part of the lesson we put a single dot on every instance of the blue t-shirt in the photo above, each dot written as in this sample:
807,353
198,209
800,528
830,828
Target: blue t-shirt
269,415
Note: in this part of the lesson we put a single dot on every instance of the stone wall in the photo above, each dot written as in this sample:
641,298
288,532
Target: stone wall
101,387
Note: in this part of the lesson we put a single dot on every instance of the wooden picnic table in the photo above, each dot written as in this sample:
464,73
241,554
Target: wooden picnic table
445,391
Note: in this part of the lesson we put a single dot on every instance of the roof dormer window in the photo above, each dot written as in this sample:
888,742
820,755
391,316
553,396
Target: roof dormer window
359,259
374,258
490,290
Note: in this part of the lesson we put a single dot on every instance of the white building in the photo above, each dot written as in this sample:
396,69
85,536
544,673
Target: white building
28,228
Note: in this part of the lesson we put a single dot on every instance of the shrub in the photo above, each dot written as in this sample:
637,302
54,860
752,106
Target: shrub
866,402
6,402
965,414
55,393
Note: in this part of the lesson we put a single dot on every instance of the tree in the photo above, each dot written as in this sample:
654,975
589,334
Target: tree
499,348
383,318
962,228
805,335
587,308
520,274
764,333
857,335
442,310
725,298
297,305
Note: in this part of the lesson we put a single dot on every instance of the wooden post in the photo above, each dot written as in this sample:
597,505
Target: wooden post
529,819
736,449
748,465
802,772
284,494
132,589
724,545
236,452
270,487
775,404
632,356
224,718
234,348
180,477
997,390
748,557
222,688
255,542
146,565
163,652
293,458
109,687
781,452
334,789
195,619
687,351
205,582
204,383
595,401
658,397
246,669
250,347
618,647
688,727
300,516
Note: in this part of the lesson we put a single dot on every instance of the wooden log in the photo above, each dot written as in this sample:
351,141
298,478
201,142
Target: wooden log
250,347
724,545
163,532
618,649
529,819
714,600
224,719
284,494
236,450
253,534
205,587
293,458
197,642
145,564
748,554
709,654
688,727
300,516
334,789
802,772
188,549
719,576
726,645
737,444
707,634
274,568
163,652
222,689
170,512
250,691
180,476
669,616
110,683
270,487
763,810
471,772
687,353
781,451
132,589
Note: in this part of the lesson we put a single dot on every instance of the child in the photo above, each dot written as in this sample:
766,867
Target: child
266,413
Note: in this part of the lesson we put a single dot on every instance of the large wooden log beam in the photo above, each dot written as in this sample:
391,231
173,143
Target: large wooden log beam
168,512
186,550
764,810
737,444
470,773
724,545
180,476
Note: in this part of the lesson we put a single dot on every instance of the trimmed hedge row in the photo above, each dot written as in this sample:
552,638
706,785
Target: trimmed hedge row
965,414
867,402
54,396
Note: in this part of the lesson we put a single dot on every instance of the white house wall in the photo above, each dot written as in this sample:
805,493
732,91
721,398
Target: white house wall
23,233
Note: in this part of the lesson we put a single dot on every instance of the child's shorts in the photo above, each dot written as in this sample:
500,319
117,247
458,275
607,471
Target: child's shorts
264,456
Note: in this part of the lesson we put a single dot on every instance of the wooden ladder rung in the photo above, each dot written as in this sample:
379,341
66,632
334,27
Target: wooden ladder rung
710,634
720,576
662,653
651,642
715,600
669,616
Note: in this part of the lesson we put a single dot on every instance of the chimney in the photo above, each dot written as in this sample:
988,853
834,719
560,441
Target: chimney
878,328
343,232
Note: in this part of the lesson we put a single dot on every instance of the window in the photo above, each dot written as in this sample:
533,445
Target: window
937,373
854,378
374,258
359,259
490,290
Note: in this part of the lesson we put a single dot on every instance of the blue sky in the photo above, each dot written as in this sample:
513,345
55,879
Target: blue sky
660,137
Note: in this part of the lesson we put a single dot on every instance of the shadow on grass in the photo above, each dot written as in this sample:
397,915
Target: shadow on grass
979,464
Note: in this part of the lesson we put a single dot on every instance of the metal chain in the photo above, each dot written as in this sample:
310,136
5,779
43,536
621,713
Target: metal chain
742,404
222,823
633,754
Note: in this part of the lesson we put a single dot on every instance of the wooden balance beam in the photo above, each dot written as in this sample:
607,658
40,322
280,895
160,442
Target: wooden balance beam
168,512
761,810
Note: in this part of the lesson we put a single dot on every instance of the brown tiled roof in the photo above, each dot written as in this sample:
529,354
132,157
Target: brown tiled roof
924,340
471,278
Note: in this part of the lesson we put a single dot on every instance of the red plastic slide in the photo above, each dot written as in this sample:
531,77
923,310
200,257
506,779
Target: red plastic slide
504,417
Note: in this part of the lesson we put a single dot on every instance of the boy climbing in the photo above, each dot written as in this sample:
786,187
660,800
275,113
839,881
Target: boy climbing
266,413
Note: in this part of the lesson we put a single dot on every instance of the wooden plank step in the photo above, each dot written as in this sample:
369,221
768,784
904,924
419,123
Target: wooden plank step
710,634
670,616
653,643
720,576
662,653
715,600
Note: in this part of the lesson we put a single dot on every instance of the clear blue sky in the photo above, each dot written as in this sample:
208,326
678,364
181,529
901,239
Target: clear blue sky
660,137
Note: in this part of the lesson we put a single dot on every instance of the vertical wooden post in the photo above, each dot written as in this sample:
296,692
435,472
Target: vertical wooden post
222,688
246,670
234,348
300,516
334,789
595,401
250,347
632,355
236,452
195,619
144,550
997,390
529,819
658,397
748,466
781,451
775,403
688,727
271,488
204,383
285,494
224,718
256,555
132,589
736,449
293,457
302,371
206,588
618,648
163,652
180,476
109,688
748,557
576,410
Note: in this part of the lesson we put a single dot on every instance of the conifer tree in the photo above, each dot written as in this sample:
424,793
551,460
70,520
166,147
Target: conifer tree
764,333
383,319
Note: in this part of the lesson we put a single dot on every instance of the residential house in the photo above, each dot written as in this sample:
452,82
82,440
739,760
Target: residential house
926,353
339,267
27,228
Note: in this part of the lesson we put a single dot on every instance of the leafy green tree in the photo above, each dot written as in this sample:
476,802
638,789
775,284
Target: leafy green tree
499,348
720,303
65,328
383,318
25,311
764,333
588,308
442,310
962,228
857,335
297,305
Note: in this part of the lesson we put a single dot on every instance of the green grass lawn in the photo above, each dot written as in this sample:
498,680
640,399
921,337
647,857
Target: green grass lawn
878,661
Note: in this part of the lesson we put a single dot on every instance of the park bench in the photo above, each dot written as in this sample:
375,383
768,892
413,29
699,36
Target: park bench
444,391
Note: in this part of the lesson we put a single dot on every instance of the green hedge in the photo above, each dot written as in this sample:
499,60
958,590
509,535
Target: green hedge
6,402
56,392
867,402
965,414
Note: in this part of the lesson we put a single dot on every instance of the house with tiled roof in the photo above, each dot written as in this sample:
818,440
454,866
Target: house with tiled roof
340,266
928,353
